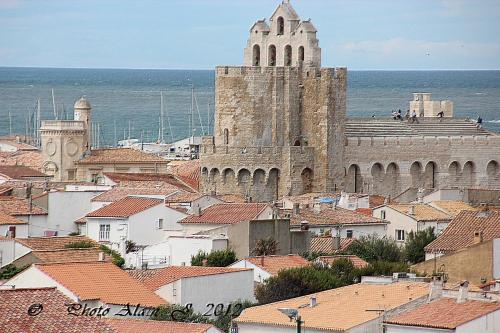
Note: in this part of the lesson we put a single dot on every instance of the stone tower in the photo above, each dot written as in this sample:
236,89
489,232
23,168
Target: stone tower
279,120
65,141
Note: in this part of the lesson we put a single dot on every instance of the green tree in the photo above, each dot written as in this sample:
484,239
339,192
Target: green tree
373,248
265,247
130,246
224,320
10,270
415,244
117,258
180,313
221,258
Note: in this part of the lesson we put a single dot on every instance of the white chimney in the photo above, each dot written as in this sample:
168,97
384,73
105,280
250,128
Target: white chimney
435,290
317,208
463,292
102,256
313,301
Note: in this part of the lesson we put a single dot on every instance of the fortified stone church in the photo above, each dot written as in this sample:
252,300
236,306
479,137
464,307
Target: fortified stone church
281,129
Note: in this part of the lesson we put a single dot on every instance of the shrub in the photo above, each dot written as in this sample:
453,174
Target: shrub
221,258
373,248
117,258
415,244
11,270
82,244
265,247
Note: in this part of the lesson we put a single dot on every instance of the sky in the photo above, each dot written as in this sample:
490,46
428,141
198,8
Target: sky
200,34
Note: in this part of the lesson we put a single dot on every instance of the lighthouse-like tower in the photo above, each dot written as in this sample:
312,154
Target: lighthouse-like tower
66,141
279,118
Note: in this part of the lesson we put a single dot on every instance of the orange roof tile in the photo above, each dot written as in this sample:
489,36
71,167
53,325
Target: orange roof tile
69,255
138,179
119,192
189,172
355,260
337,309
231,198
332,216
125,207
154,326
444,313
422,212
19,207
274,264
460,232
227,213
376,200
156,278
324,244
309,198
32,159
20,172
103,281
120,155
183,196
53,243
452,207
54,318
7,219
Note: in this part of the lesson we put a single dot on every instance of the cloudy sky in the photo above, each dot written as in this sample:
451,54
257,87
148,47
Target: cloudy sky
199,34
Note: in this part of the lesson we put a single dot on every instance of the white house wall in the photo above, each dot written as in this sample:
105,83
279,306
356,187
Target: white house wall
259,275
37,224
411,329
489,323
397,221
10,250
496,258
21,230
182,248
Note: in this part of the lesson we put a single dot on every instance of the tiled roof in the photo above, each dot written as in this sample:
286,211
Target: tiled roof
141,179
20,172
274,264
332,216
120,155
366,211
101,280
231,198
119,192
183,196
69,255
227,213
32,159
324,244
452,207
7,219
52,243
19,207
54,318
376,200
423,212
189,173
308,198
155,278
460,232
355,260
12,141
6,190
445,313
154,326
338,309
125,207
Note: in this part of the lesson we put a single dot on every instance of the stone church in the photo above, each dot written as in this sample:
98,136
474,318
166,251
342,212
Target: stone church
281,129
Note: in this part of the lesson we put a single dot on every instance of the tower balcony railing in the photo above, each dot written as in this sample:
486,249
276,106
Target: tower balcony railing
55,125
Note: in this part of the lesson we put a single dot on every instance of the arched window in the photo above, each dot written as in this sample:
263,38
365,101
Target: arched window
288,55
272,55
281,26
226,136
256,55
301,53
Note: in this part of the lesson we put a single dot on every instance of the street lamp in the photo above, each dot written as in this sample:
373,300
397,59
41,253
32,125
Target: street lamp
293,314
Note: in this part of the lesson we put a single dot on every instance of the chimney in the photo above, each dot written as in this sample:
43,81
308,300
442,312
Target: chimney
197,211
317,208
296,209
313,301
478,237
411,210
336,243
102,256
435,289
463,292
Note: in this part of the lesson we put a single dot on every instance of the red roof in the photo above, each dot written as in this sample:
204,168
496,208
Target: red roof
8,220
130,178
156,278
20,172
355,260
227,213
154,326
125,207
274,264
19,207
460,232
324,244
445,313
54,318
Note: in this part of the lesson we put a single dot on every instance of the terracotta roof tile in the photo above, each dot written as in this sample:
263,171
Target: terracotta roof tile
54,318
20,172
188,172
460,232
227,213
19,207
338,309
120,155
452,207
274,264
332,216
32,159
125,207
53,243
153,326
183,196
445,313
69,256
376,200
156,278
101,280
324,244
422,212
309,198
231,198
7,219
119,192
355,260
139,179
14,142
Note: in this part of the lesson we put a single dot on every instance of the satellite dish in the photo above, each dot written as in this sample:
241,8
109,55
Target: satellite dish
290,313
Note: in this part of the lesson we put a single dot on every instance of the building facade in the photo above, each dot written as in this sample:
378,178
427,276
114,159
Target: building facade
281,129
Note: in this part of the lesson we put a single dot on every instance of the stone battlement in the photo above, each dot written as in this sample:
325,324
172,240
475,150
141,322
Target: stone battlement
480,140
238,71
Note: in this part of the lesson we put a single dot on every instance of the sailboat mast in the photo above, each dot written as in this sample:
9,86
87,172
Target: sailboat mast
169,127
199,115
38,123
192,107
161,118
10,124
54,105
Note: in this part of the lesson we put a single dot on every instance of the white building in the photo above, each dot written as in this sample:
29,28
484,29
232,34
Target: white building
141,220
33,215
199,286
11,227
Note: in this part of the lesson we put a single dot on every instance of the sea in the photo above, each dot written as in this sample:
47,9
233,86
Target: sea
126,102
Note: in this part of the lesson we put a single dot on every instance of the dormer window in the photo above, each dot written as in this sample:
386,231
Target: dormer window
281,25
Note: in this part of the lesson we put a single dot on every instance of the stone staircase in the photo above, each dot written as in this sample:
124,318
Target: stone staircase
361,127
